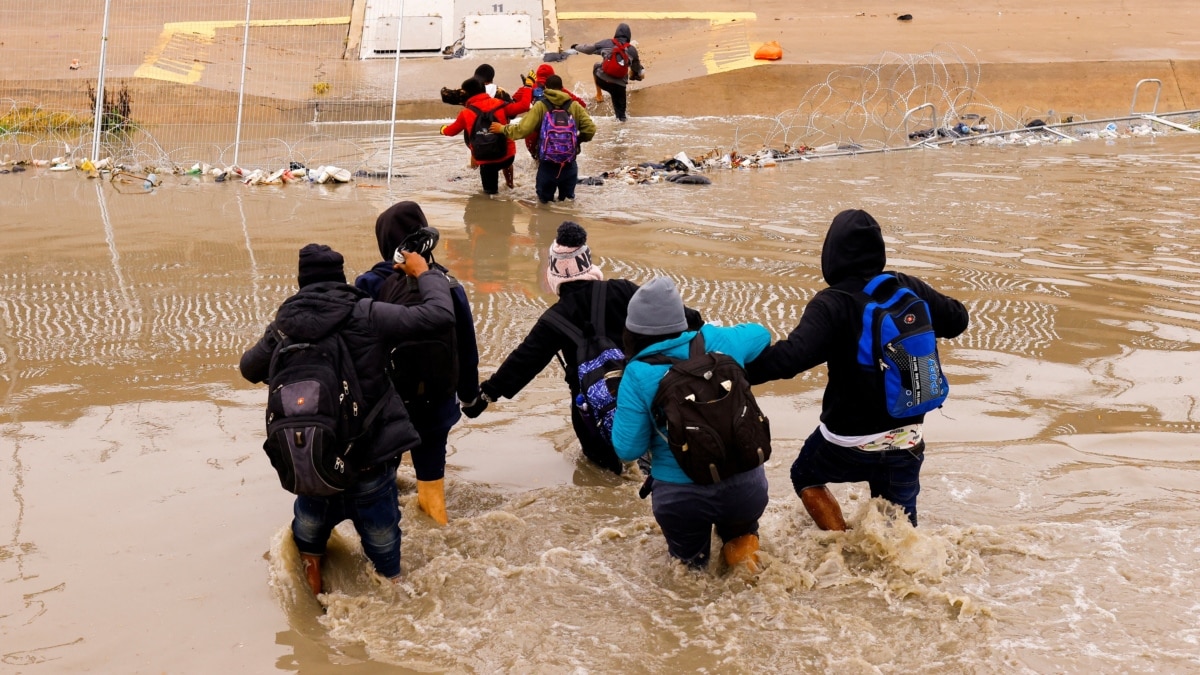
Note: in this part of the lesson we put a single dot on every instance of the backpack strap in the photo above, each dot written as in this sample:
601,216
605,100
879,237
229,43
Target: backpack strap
560,323
695,348
599,297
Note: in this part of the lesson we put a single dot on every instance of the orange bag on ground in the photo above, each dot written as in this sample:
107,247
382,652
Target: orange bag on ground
770,51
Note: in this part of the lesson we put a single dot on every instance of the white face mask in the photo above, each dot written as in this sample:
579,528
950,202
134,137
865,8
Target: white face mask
490,89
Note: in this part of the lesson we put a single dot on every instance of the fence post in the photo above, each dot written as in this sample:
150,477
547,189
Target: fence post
395,88
99,118
237,134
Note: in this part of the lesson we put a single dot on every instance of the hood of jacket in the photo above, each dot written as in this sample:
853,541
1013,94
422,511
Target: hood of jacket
315,311
397,222
623,33
853,248
556,96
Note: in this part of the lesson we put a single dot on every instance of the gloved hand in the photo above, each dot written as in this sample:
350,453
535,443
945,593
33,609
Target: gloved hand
475,408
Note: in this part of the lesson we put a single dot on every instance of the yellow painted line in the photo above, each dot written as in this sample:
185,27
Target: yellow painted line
712,17
203,33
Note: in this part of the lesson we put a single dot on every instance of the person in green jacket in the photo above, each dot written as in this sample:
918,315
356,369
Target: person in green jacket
562,125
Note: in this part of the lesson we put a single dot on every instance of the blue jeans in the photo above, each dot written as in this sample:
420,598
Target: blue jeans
374,507
894,475
552,176
687,512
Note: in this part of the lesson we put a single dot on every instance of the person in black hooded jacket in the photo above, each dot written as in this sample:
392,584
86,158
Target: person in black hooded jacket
432,418
857,440
610,77
324,302
571,275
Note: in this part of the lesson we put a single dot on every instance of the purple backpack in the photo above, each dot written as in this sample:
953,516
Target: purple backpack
559,138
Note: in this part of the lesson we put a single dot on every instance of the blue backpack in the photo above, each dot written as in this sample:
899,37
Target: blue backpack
898,344
601,365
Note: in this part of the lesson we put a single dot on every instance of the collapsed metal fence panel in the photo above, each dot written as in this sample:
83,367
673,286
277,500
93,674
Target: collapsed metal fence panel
252,82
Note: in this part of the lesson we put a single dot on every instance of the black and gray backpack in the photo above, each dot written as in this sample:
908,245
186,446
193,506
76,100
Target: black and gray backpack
315,414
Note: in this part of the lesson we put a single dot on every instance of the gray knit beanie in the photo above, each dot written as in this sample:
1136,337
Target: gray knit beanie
656,309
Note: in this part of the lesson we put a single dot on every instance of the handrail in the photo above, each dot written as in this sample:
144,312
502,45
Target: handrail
1133,103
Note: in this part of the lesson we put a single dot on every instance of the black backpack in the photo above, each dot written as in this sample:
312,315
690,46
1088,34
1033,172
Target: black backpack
422,367
315,414
485,145
601,365
715,428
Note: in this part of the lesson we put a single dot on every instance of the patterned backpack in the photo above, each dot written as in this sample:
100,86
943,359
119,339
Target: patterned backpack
558,140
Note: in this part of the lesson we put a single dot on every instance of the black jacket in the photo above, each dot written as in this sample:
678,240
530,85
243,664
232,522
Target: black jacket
312,312
828,331
544,340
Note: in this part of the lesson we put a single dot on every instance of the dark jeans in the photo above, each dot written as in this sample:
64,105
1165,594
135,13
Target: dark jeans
489,175
617,92
687,512
894,475
374,507
552,176
433,422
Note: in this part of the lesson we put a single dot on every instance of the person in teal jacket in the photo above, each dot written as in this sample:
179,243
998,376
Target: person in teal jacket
686,512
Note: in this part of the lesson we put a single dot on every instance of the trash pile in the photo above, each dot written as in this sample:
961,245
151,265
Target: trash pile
149,176
683,169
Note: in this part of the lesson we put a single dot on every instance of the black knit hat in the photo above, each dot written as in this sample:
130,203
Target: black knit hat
318,262
571,234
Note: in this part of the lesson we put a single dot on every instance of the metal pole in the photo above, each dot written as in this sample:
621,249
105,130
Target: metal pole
395,87
237,134
100,86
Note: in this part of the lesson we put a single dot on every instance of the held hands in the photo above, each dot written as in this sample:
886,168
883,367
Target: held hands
414,265
496,128
475,408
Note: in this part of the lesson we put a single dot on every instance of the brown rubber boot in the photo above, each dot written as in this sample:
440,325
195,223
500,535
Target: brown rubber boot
823,508
742,551
312,571
431,497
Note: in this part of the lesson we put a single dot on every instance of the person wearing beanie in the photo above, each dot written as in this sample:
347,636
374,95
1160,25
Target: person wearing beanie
857,439
553,174
571,275
455,367
478,100
656,325
319,263
618,65
326,303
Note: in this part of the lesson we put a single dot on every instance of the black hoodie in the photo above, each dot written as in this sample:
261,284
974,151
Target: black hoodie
828,331
311,313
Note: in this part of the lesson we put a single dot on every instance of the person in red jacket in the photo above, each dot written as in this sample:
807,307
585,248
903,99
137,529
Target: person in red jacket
478,99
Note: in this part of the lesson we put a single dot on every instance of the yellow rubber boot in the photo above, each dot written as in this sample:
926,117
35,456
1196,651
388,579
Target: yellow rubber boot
312,571
742,551
431,497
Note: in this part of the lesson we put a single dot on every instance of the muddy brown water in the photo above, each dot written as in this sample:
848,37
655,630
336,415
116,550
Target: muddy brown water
144,531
